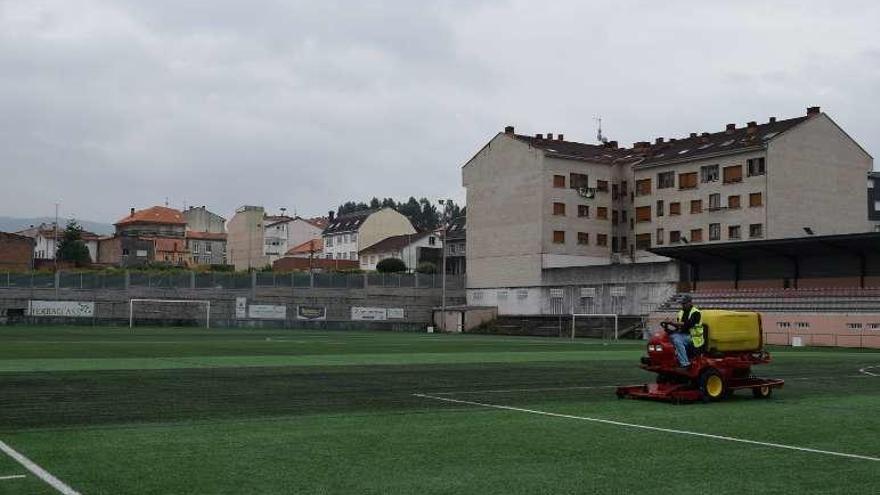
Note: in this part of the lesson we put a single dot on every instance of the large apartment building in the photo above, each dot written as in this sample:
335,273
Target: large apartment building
541,208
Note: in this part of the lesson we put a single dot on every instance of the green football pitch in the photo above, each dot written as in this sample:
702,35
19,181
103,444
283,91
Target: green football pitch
176,411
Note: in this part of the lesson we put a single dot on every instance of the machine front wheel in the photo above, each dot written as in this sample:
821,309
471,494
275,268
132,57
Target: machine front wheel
762,392
712,385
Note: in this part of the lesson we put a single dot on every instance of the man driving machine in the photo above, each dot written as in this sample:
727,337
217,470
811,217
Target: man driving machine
688,331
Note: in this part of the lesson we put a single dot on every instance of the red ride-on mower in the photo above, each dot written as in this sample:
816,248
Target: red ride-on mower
722,366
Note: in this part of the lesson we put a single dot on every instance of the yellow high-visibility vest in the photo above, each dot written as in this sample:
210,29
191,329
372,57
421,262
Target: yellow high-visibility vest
696,330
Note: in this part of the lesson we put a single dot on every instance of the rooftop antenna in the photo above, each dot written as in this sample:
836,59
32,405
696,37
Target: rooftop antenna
602,139
166,201
283,211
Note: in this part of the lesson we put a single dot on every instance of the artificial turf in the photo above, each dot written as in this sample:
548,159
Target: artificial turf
109,410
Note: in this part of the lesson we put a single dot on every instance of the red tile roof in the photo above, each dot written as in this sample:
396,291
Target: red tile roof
155,214
314,245
205,236
394,243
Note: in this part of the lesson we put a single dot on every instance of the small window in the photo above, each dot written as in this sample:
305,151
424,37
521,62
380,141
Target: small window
675,208
623,190
601,240
696,235
329,241
696,206
659,237
854,326
756,231
714,201
577,181
665,180
659,207
125,252
559,209
756,166
643,241
674,237
643,214
733,232
733,174
615,245
755,199
583,211
602,213
709,173
613,217
687,181
558,237
432,241
714,231
733,201
559,181
643,187
583,238
602,185
614,191
623,216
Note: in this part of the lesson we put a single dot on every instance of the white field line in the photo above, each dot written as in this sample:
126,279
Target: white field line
38,471
510,390
652,428
869,373
12,477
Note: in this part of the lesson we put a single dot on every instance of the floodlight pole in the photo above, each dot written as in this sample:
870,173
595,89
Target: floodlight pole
443,275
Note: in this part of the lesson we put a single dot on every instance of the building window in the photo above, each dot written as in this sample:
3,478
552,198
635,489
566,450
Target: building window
674,237
558,237
665,180
601,240
643,187
714,201
559,181
613,217
643,241
615,245
559,209
709,173
602,213
755,167
195,248
756,231
675,208
733,174
659,207
354,237
614,191
583,211
577,181
714,231
696,206
643,214
125,252
696,235
687,181
329,241
432,241
755,199
623,189
733,201
623,243
660,235
623,216
733,232
602,185
352,255
583,238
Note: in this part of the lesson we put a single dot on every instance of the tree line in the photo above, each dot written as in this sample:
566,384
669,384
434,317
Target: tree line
424,214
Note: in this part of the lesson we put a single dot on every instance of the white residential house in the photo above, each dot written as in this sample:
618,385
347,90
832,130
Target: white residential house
346,235
44,241
412,249
256,239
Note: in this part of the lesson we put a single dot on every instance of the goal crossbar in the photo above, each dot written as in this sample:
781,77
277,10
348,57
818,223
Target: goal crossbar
206,302
574,317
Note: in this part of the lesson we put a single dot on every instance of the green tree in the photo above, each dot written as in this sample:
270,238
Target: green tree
72,248
426,267
391,265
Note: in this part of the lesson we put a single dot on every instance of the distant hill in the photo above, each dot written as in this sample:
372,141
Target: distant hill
10,224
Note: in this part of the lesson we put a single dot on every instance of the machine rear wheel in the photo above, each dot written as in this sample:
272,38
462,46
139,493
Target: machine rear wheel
762,392
712,385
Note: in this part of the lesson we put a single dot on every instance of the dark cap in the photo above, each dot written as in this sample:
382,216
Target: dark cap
686,299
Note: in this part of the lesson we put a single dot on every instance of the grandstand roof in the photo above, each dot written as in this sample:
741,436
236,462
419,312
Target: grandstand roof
856,244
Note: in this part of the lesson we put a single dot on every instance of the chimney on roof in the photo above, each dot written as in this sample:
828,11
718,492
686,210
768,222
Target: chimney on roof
640,145
508,129
539,136
730,128
550,136
659,140
751,127
772,120
693,134
132,211
330,215
559,137
812,111
611,144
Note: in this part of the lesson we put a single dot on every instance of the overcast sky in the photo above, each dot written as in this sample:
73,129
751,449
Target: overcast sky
106,105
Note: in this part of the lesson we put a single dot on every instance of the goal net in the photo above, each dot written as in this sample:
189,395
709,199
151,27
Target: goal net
603,325
176,312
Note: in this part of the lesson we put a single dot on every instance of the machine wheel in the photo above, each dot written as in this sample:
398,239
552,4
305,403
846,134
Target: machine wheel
712,385
762,392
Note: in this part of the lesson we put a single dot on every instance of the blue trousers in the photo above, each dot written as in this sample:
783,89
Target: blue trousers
681,342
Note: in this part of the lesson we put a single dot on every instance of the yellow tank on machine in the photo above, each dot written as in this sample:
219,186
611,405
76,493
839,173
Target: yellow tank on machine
732,330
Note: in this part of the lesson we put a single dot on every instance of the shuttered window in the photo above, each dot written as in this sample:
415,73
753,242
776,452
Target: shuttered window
697,235
687,181
602,213
558,237
733,174
755,199
697,206
559,181
643,187
601,240
643,214
733,201
559,209
643,241
675,208
583,238
578,181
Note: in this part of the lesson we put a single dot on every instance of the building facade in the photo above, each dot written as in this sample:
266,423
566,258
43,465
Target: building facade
200,219
45,247
456,246
206,248
152,235
256,239
346,235
412,249
16,252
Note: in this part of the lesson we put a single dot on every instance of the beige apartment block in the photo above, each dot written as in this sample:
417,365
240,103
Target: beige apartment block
779,179
245,238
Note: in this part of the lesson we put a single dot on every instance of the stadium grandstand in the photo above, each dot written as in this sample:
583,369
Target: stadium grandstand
815,290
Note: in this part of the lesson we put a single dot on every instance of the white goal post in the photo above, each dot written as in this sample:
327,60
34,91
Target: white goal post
207,304
574,317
